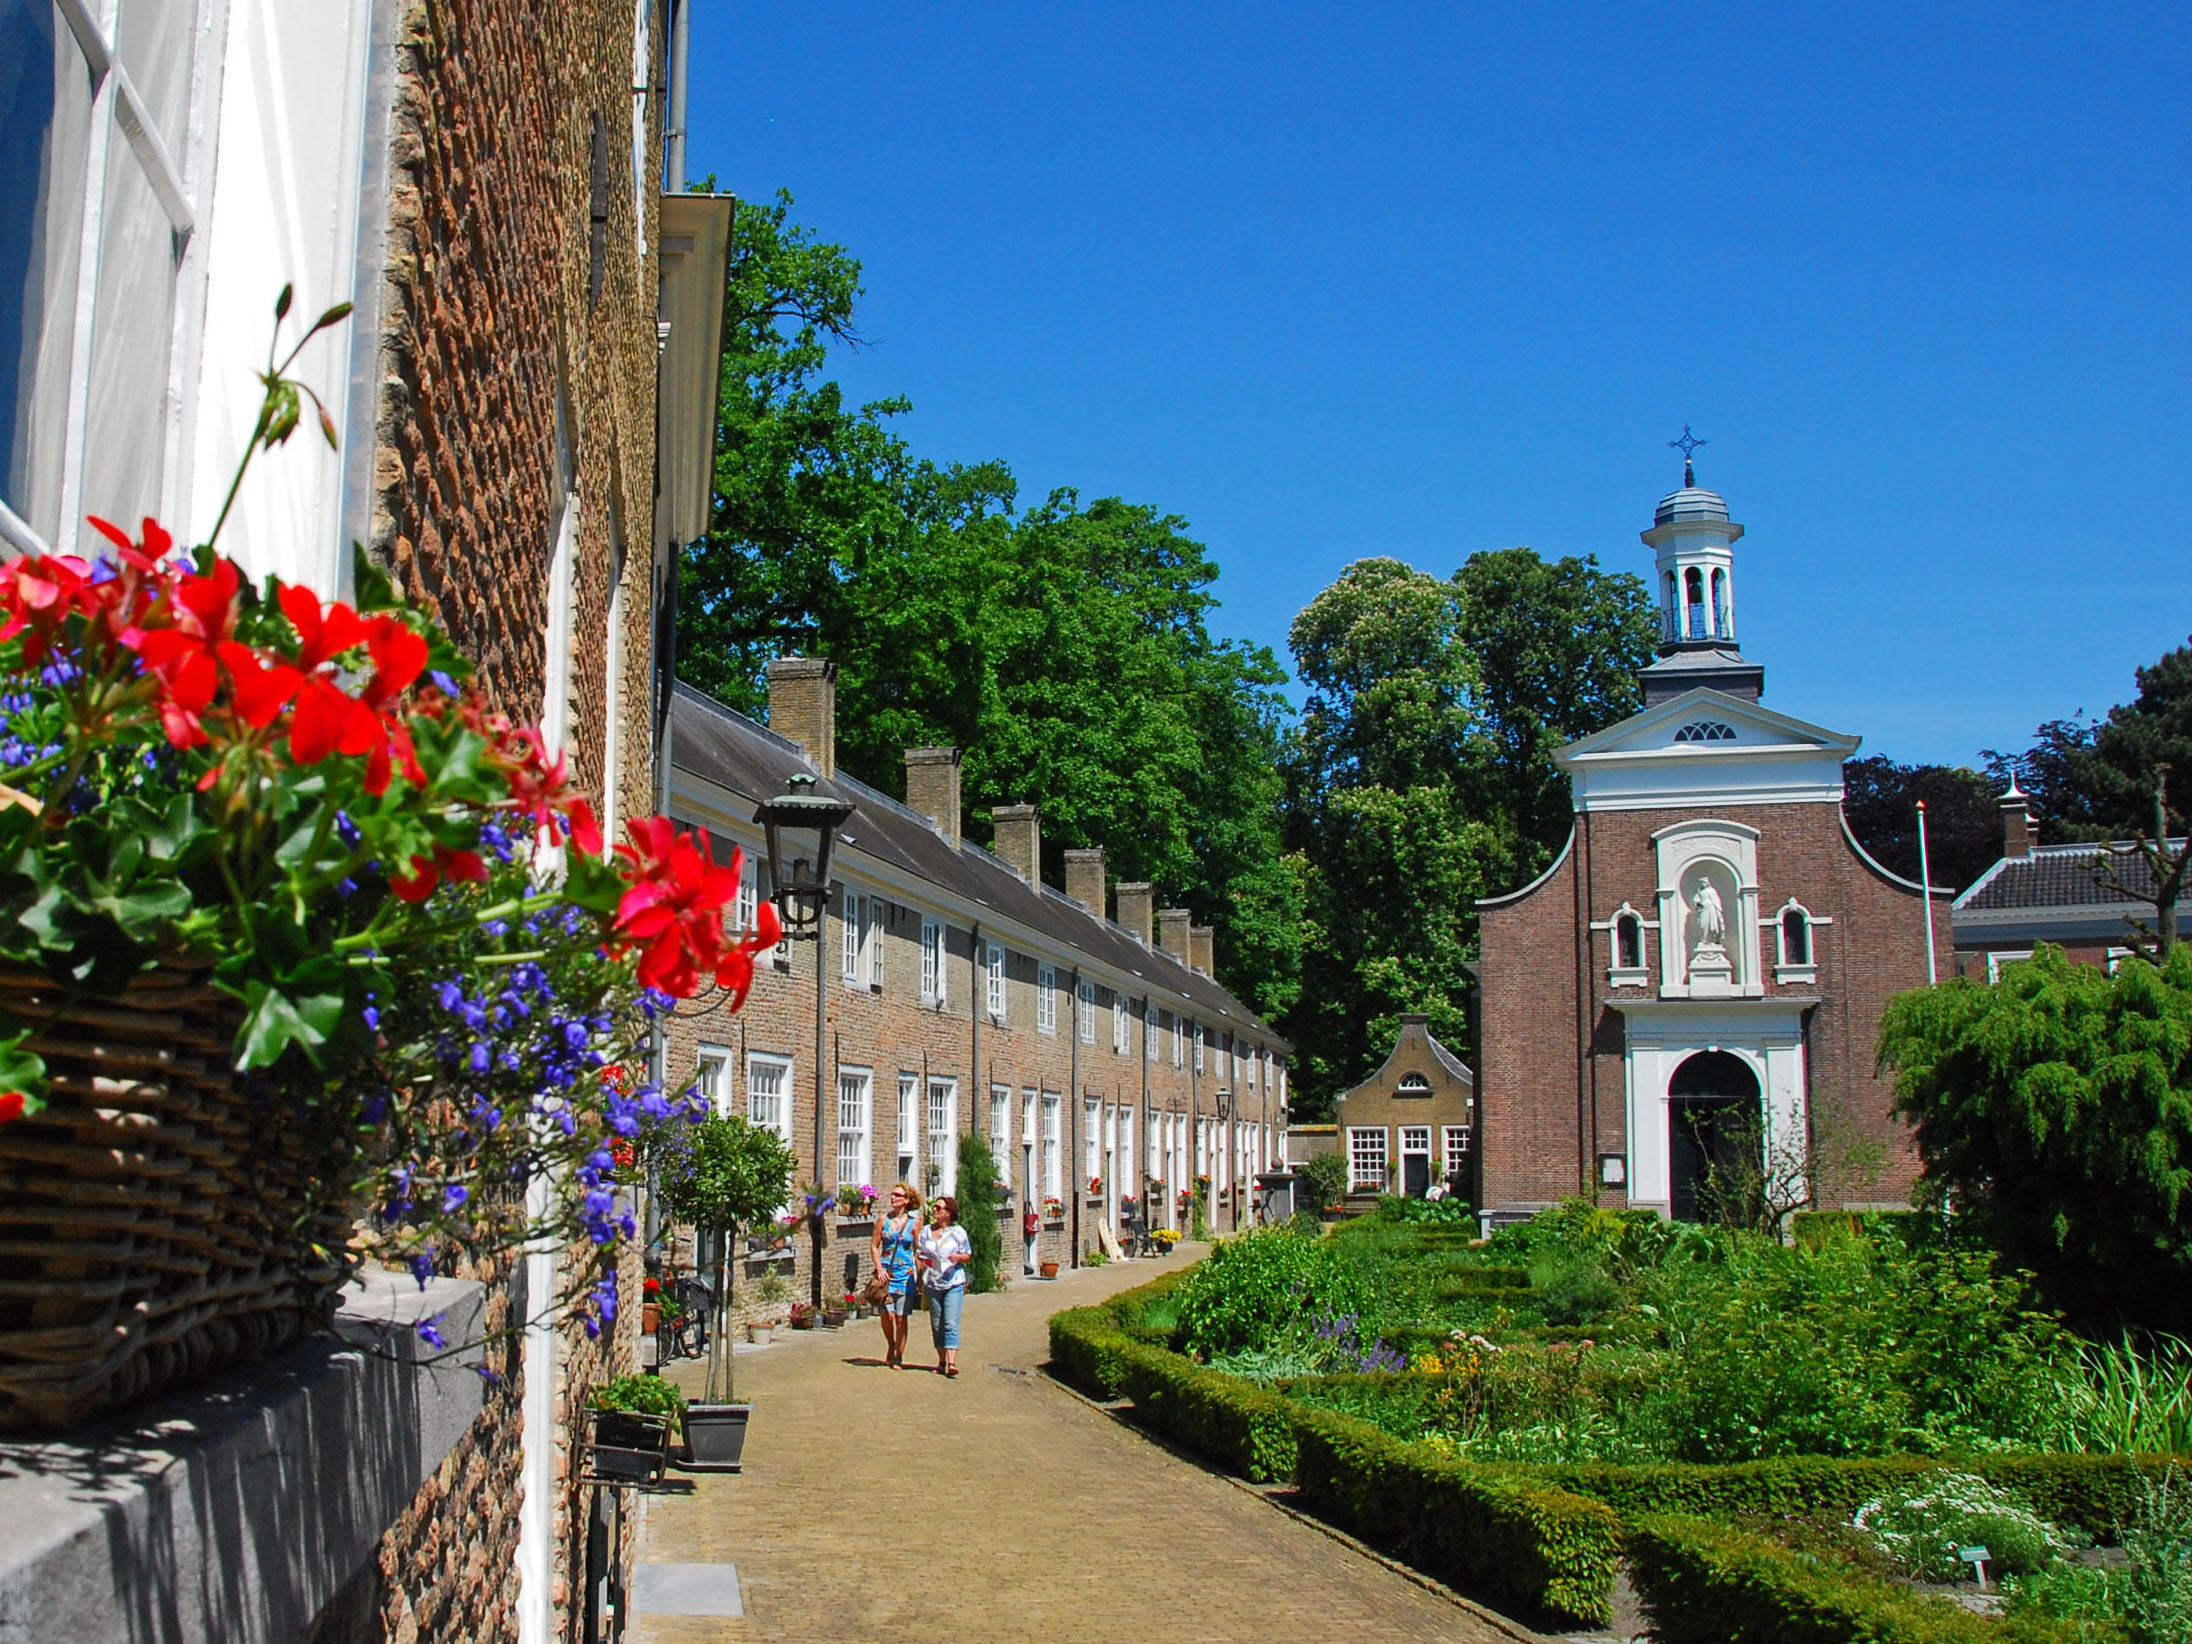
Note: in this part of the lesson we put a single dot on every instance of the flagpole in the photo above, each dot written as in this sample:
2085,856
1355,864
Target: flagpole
1925,883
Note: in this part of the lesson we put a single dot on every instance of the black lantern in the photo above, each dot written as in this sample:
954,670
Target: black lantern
801,826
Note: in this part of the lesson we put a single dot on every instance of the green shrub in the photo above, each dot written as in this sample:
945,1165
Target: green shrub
1307,1223
2112,1396
1265,1287
1500,1282
1922,1528
1707,1583
1088,1350
1574,1292
1429,1213
1242,1427
1513,1539
647,1394
977,1197
1326,1176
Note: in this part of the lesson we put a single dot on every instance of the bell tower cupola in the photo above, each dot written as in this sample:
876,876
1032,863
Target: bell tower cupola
1694,540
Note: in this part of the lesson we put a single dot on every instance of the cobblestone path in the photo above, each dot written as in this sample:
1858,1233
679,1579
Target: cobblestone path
998,1508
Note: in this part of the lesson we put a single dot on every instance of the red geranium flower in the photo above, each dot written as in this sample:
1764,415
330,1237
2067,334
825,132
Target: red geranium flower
466,867
540,790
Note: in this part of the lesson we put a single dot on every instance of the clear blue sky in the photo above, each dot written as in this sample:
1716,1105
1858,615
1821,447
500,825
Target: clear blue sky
1421,280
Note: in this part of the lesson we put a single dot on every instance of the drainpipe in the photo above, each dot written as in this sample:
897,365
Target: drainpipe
1194,1137
1073,1077
681,43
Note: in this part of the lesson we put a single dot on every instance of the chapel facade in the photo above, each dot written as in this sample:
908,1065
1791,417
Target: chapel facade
1699,977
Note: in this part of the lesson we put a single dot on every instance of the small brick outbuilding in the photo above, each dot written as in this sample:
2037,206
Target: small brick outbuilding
1409,1124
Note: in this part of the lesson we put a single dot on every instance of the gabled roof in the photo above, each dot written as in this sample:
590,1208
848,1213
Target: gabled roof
2063,876
1758,729
1409,1044
749,762
1706,747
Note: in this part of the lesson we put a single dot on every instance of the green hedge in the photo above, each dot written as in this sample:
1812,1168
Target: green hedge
2098,1494
1511,1538
1089,1350
1243,1428
1707,1583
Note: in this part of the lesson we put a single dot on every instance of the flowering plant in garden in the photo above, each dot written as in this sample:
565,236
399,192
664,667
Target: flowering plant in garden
433,954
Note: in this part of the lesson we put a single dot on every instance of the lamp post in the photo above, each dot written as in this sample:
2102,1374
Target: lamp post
1226,1152
800,827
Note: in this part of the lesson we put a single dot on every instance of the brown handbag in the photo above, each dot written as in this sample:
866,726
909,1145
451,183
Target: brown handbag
877,1290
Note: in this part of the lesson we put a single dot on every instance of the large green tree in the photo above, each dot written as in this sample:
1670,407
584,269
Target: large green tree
1067,650
2054,1110
1963,820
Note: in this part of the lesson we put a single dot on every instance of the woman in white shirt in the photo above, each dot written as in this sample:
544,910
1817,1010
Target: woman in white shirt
944,1253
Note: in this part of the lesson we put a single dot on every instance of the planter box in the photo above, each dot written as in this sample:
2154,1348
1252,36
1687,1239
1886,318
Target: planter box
715,1437
160,1225
833,1318
625,1447
1049,1270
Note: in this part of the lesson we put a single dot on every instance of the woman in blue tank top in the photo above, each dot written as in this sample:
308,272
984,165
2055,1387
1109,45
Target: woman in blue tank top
892,1251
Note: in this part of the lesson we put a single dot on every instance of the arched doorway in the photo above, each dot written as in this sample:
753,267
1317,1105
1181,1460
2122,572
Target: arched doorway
1714,1124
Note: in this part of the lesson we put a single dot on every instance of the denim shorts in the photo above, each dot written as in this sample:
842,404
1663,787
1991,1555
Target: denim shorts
899,1302
944,1306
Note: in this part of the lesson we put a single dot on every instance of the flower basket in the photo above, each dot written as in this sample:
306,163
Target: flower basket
151,1233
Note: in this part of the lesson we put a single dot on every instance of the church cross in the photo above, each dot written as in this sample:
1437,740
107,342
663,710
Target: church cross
1687,445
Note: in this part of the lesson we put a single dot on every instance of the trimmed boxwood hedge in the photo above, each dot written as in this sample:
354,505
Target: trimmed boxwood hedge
1244,1428
1708,1583
1489,1530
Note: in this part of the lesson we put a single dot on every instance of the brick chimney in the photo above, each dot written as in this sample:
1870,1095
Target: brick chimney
1199,953
932,788
1085,879
1172,926
803,708
1137,907
1019,840
2016,824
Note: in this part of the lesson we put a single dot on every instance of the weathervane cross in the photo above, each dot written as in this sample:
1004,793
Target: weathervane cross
1687,444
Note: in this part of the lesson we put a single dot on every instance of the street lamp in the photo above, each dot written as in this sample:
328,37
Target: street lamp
1227,1152
802,825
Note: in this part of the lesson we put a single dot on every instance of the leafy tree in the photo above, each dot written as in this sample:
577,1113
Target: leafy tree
1963,818
2052,773
720,1176
2054,1110
978,1214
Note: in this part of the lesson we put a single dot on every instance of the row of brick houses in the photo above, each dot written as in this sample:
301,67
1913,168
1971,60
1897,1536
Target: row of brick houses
961,995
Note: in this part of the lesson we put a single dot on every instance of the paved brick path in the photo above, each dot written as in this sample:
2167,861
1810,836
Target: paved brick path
998,1508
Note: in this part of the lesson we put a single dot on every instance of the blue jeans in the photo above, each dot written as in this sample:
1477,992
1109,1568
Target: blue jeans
944,1306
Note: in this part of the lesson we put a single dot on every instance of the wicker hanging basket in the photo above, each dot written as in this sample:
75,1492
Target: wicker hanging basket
157,1223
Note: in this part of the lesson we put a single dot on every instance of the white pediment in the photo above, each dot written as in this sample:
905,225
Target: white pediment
1706,747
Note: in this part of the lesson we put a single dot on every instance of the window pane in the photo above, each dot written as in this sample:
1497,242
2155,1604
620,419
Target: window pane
155,39
125,437
45,87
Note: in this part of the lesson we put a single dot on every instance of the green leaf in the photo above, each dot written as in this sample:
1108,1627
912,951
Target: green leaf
276,1021
22,1069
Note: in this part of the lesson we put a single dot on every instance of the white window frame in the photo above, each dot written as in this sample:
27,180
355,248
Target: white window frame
714,1071
1199,1047
873,914
1092,1141
1118,1023
855,1126
771,1110
1415,1142
1805,969
943,1131
1084,1010
1053,1148
993,980
1046,999
749,895
1456,1139
849,904
1149,1032
909,1128
1000,1123
934,949
2004,956
1367,1158
1179,1041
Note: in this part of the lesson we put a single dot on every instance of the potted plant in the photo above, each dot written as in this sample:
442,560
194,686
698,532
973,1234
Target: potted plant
856,1204
650,1305
1054,1209
1049,1270
719,1176
630,1421
771,1292
805,1315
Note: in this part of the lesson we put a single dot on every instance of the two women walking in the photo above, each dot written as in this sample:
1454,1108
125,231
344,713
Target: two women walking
925,1257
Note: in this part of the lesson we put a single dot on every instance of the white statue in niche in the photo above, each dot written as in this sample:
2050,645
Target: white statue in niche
1711,916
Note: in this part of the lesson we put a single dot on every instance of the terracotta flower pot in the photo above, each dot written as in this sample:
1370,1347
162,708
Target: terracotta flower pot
1050,1270
650,1317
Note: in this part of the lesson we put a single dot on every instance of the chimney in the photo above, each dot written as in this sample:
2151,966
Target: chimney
2016,824
1172,932
1085,879
803,708
1137,906
932,788
1199,949
1019,840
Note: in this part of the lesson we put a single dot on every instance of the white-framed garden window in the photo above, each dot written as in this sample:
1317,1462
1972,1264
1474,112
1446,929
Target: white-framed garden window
1084,1010
769,1093
855,1108
943,1117
1149,1033
932,962
1000,1121
1046,999
848,926
875,918
993,980
1179,1041
1053,1146
1366,1158
1118,1023
1092,1141
909,1126
1457,1149
712,1073
1198,1047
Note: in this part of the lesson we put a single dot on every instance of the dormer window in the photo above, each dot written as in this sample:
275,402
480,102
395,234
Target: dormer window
1705,730
1412,1084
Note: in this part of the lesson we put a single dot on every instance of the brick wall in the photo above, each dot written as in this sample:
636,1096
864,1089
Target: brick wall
1554,1082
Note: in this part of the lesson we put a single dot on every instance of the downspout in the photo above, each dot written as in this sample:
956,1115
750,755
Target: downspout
1194,1137
1073,1076
681,43
1147,1136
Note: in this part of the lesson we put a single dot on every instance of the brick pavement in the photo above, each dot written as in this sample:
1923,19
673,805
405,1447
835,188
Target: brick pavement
998,1508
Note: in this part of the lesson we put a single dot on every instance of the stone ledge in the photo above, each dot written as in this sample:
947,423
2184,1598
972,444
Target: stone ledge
233,1513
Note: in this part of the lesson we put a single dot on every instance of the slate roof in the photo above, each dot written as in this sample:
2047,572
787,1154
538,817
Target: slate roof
2060,876
727,749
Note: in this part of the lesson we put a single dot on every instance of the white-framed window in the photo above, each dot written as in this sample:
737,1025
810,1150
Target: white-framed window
2116,957
1415,1143
993,980
1046,999
1084,1010
1092,1140
849,925
1053,1146
712,1073
1118,1024
855,1105
1366,1158
1254,1060
873,914
932,961
944,1133
1457,1149
749,900
1198,1047
1179,1041
909,1127
769,1093
1000,1121
1153,1141
1149,1032
1126,1187
2004,956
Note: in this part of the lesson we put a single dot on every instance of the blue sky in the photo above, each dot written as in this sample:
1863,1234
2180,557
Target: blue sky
1422,280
